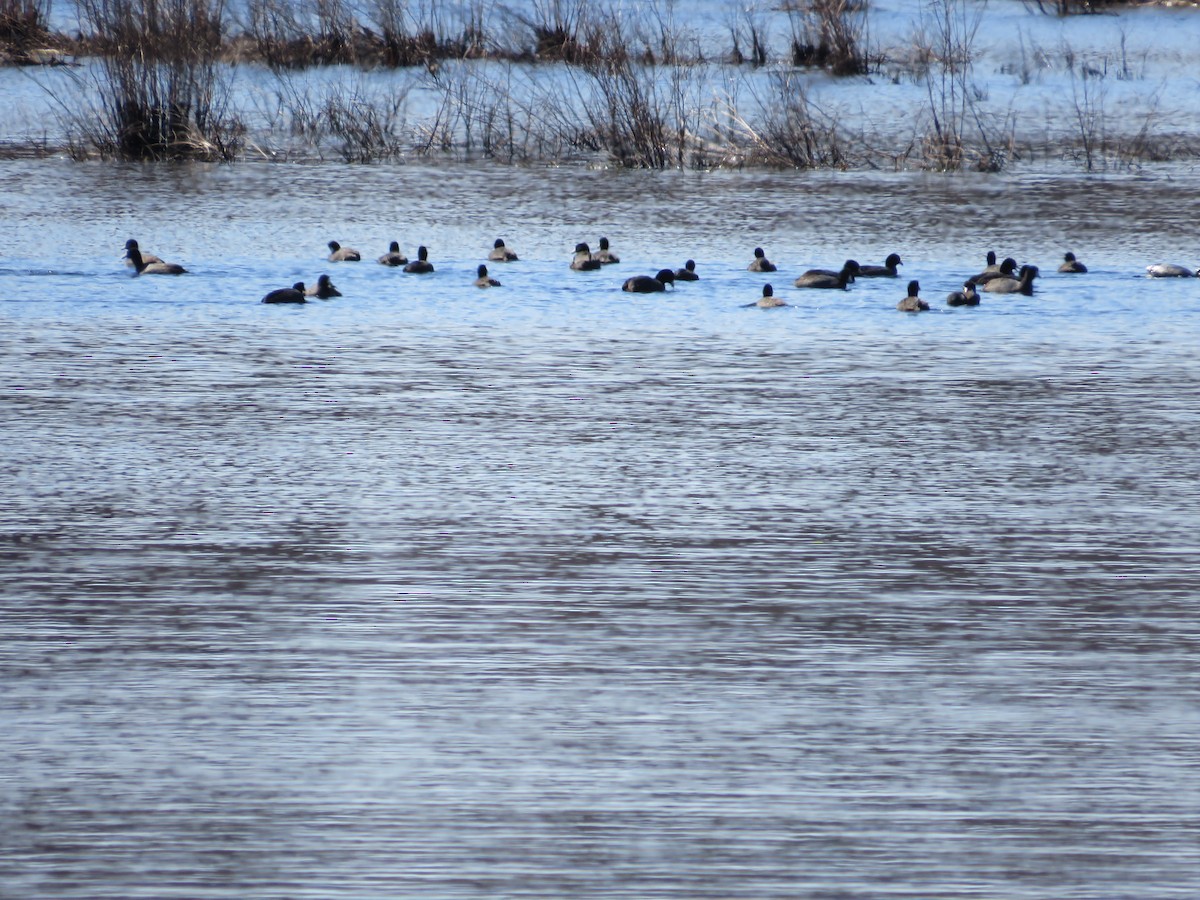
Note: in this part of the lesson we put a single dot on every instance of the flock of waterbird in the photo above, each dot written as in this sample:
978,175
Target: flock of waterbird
997,278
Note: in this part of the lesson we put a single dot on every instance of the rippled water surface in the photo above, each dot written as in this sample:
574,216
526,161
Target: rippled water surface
555,591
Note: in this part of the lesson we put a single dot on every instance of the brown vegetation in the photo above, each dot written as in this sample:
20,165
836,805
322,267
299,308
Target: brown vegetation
566,80
25,38
161,95
829,34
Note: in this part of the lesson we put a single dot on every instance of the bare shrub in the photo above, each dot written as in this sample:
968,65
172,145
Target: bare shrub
958,134
1151,143
1087,93
829,34
627,116
280,39
162,93
747,28
23,30
283,35
496,112
367,129
792,133
359,124
556,31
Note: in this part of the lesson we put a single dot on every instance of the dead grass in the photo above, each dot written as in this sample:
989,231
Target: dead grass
830,34
162,95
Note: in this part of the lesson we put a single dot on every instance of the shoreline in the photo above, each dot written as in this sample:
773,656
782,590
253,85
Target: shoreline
1100,93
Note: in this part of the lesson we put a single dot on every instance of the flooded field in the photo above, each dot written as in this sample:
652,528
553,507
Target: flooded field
551,590
1015,87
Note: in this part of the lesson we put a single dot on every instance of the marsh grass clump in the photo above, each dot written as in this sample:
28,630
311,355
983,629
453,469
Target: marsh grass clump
366,131
626,117
556,31
357,122
493,113
25,37
278,36
958,134
790,132
748,28
830,34
287,35
162,91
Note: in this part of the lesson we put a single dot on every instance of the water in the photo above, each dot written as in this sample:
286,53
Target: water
552,591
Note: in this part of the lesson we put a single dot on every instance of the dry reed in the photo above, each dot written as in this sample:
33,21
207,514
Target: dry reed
162,93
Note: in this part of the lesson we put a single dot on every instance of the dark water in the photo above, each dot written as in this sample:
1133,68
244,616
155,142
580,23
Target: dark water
551,591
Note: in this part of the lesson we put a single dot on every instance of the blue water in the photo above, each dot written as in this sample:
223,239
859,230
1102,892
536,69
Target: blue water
551,590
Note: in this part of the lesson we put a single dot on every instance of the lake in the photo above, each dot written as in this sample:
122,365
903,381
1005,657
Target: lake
551,590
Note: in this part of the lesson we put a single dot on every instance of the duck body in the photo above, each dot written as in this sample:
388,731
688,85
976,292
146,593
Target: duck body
1006,284
583,261
913,302
646,284
393,257
827,279
887,270
1071,265
768,300
148,258
604,255
1006,269
968,296
323,290
761,263
501,253
142,267
338,253
421,265
688,272
484,279
294,294
1170,270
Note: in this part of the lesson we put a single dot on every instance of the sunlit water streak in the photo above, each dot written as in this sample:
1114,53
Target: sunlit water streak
552,591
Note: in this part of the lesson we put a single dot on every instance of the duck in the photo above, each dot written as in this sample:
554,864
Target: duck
768,300
421,265
604,255
484,279
1004,270
583,261
323,290
688,272
147,258
338,253
151,268
968,296
1170,270
887,270
826,278
913,302
393,257
1072,265
761,263
294,294
500,253
645,284
989,269
1006,284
